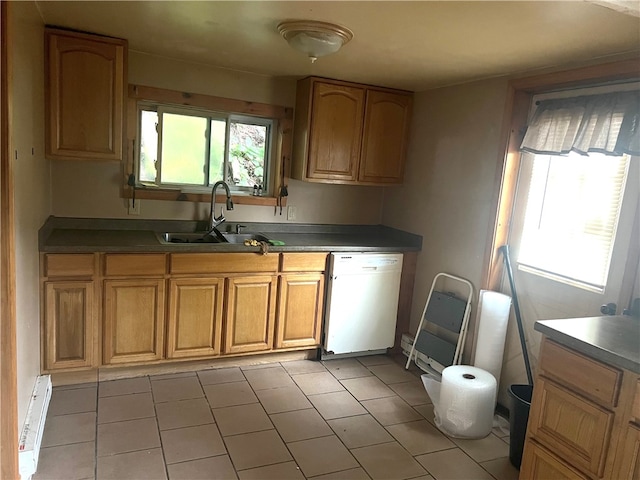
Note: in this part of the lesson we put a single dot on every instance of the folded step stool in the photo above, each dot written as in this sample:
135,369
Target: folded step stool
443,328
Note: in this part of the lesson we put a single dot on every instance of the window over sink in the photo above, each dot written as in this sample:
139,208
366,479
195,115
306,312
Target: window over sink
202,134
189,149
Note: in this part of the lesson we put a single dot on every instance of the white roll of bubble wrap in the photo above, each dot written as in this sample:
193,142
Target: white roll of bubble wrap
492,331
463,400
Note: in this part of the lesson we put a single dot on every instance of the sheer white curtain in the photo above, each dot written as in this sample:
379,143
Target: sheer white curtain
607,123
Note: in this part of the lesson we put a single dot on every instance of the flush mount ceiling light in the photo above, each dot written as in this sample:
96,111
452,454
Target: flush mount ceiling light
314,39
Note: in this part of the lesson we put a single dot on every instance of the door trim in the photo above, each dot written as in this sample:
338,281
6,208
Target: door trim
631,273
8,361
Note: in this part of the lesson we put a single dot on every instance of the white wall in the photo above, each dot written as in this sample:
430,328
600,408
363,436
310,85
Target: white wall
92,189
31,183
449,184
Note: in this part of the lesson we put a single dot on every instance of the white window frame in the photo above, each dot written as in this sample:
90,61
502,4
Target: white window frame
229,118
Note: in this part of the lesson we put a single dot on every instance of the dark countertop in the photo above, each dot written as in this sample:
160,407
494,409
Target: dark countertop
75,235
611,339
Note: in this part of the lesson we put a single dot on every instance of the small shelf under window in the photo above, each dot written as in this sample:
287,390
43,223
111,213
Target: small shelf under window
177,195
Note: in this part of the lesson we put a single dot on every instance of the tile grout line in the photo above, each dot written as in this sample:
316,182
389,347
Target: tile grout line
226,448
164,460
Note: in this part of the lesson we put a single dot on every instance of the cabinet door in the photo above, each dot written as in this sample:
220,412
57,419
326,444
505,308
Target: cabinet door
68,324
336,131
250,314
628,467
300,303
538,463
85,96
133,320
573,427
195,317
386,133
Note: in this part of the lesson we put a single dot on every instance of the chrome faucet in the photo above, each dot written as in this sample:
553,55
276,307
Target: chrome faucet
213,220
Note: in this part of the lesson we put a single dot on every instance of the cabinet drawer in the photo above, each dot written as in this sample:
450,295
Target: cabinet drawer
595,380
69,265
303,262
539,463
571,426
187,263
134,264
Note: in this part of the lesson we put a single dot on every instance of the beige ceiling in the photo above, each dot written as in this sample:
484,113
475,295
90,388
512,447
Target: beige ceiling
412,45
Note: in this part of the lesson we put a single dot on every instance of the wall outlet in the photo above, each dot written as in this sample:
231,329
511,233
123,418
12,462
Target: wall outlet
292,212
134,210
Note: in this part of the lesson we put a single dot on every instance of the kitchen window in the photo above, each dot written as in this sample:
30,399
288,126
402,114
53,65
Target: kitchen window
571,217
577,155
190,149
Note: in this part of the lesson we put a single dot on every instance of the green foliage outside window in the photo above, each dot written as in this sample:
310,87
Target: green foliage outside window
185,157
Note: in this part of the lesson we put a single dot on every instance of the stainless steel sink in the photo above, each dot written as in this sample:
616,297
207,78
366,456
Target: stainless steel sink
203,237
241,237
182,237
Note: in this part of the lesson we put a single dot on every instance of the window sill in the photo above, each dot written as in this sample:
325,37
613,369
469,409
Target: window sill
177,195
560,279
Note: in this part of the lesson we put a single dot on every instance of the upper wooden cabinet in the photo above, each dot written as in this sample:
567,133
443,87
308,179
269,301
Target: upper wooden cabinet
350,133
384,145
84,88
336,132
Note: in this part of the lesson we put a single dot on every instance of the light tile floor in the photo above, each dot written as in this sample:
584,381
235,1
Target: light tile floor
349,419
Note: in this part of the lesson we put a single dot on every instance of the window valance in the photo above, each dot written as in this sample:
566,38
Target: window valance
607,123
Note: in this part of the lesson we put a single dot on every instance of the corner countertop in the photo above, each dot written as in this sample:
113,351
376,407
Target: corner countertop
76,235
611,339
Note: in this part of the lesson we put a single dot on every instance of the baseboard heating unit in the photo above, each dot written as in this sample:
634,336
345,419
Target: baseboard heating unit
31,436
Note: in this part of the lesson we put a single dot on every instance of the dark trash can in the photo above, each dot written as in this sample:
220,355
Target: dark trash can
520,396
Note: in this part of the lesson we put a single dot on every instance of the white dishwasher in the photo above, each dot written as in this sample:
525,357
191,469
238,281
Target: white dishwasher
362,303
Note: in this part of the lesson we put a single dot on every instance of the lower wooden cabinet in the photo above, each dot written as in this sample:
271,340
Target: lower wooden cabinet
571,426
300,304
539,463
132,308
628,468
195,317
582,424
69,321
251,307
133,320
